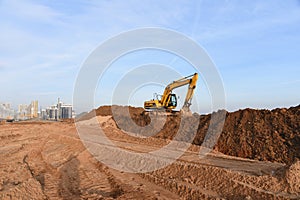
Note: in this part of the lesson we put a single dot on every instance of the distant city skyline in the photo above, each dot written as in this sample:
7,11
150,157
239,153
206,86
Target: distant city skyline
254,44
41,104
32,110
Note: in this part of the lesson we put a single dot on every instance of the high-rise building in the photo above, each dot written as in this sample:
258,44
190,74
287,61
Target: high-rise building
58,111
33,109
43,114
6,112
7,105
22,111
52,112
66,111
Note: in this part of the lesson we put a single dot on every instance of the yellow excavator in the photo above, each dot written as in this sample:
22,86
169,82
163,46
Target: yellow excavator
168,100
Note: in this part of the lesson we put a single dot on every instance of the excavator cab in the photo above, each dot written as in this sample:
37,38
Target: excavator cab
172,100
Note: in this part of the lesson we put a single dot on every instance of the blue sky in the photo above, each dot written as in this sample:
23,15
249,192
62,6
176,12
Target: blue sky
254,44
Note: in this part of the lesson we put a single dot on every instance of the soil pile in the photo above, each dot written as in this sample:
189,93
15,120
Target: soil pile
266,135
293,177
110,110
262,134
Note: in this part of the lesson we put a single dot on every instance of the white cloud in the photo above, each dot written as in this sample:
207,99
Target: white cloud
29,10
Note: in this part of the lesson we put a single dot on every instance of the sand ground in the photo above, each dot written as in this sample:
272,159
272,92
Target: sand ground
47,160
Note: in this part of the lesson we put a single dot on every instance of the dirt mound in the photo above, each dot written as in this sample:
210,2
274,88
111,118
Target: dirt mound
267,135
120,110
293,177
262,134
109,110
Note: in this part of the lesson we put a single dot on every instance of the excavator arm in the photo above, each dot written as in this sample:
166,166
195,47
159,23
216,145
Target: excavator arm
190,92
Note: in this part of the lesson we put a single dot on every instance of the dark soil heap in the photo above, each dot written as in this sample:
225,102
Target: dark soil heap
268,135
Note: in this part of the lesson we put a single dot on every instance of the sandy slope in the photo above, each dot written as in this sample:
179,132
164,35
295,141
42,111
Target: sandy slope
48,161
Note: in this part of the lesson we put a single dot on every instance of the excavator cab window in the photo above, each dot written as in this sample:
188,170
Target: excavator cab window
173,100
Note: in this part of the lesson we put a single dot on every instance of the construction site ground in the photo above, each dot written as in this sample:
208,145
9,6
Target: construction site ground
47,160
